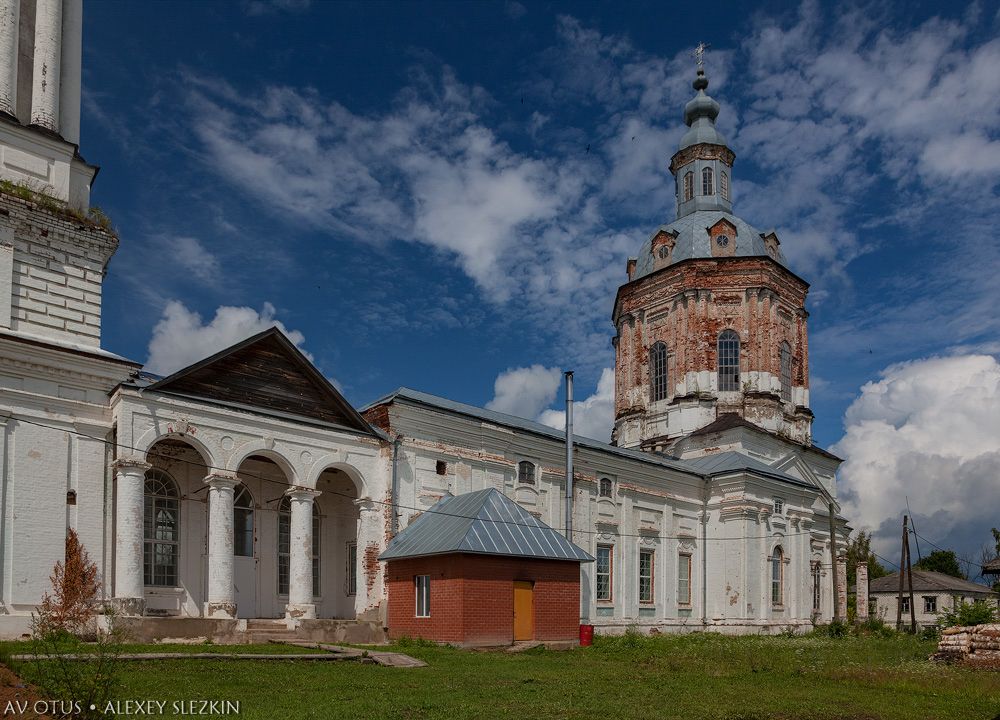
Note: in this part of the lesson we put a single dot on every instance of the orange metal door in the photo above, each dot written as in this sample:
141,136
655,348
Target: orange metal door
524,611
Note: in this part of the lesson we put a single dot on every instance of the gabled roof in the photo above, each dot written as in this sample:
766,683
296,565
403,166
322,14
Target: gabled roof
927,581
992,567
732,461
484,522
266,374
730,421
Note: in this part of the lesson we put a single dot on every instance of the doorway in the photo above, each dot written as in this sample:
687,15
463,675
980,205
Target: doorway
244,557
524,610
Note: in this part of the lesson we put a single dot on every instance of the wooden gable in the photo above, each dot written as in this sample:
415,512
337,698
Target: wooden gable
265,373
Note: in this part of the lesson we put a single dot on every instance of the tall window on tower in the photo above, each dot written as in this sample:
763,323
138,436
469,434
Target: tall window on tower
724,185
786,371
707,182
658,371
688,185
729,360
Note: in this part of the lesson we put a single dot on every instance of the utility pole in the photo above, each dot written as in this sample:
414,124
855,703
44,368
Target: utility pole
902,570
569,455
833,564
909,578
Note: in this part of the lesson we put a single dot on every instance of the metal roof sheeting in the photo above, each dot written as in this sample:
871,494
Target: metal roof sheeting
732,461
484,522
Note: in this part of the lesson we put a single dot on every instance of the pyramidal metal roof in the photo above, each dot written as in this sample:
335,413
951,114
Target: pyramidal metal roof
484,522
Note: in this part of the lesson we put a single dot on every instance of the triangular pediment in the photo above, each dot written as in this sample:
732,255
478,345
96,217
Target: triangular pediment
268,374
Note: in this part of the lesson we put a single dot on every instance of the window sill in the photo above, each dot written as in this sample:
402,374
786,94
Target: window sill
164,589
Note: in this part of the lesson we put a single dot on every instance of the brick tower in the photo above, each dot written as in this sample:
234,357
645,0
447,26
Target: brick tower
711,321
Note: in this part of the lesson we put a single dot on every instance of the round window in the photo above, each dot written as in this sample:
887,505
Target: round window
722,240
663,252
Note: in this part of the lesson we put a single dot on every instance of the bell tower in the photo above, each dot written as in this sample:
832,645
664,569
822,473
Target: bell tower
711,320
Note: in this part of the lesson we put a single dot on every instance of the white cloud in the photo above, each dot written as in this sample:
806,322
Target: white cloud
593,416
181,338
192,256
525,391
926,429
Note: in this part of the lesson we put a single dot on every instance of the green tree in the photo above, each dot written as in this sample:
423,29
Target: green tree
859,549
942,561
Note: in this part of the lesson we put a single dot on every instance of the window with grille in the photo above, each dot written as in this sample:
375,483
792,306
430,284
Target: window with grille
285,542
658,371
729,360
422,584
352,568
817,593
243,522
779,506
604,489
777,571
684,579
707,182
905,603
526,473
786,371
688,186
602,573
646,576
724,185
930,603
161,529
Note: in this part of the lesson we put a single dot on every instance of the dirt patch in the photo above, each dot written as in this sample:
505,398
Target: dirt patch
16,694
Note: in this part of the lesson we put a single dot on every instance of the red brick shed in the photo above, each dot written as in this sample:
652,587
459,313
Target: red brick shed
477,569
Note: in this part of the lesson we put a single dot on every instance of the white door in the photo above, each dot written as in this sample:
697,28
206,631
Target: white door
245,557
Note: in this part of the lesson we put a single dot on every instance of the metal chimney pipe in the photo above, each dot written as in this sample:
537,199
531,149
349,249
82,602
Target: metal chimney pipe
569,455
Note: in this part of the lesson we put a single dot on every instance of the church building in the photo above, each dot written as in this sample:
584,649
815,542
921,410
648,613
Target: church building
244,493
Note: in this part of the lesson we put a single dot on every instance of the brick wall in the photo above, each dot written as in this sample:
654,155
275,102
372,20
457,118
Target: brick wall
472,598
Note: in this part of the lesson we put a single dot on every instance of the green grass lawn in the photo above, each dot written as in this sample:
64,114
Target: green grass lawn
690,677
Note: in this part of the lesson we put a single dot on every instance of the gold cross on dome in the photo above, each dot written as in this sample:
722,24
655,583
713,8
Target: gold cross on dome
699,53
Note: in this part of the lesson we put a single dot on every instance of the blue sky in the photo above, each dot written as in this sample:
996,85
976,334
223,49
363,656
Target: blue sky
408,190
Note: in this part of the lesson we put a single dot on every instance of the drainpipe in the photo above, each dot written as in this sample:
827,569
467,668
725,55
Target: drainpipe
569,455
704,552
394,519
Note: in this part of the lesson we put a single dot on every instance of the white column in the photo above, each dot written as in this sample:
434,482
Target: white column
9,19
70,77
48,62
842,587
861,596
221,601
300,579
130,480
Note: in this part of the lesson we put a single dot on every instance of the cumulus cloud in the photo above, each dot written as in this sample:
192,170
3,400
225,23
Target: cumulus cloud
181,337
927,430
525,391
593,416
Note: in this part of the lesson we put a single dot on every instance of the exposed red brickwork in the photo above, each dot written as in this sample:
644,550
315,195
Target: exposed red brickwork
702,151
472,598
378,416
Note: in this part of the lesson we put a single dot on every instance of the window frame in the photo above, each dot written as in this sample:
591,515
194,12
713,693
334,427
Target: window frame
724,185
904,603
659,372
817,590
351,571
785,360
422,592
609,595
727,361
241,493
605,482
778,577
707,181
930,600
779,506
688,186
685,561
520,475
151,544
649,577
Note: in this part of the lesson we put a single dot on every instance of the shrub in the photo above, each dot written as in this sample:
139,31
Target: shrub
836,629
979,612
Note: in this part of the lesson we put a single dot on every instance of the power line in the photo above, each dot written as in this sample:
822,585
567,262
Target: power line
394,505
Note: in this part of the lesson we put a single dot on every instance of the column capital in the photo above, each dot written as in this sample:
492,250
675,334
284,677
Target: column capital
131,462
366,504
297,492
221,479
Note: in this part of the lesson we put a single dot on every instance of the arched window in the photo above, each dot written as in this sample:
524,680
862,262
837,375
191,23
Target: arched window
161,529
285,543
526,473
688,185
777,572
724,185
786,371
604,489
729,360
817,595
658,372
243,522
707,182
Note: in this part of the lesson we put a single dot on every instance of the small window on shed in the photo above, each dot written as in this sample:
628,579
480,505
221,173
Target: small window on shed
441,468
526,473
605,487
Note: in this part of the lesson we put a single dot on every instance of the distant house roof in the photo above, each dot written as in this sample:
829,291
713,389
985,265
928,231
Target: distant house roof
927,581
992,567
729,421
484,522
